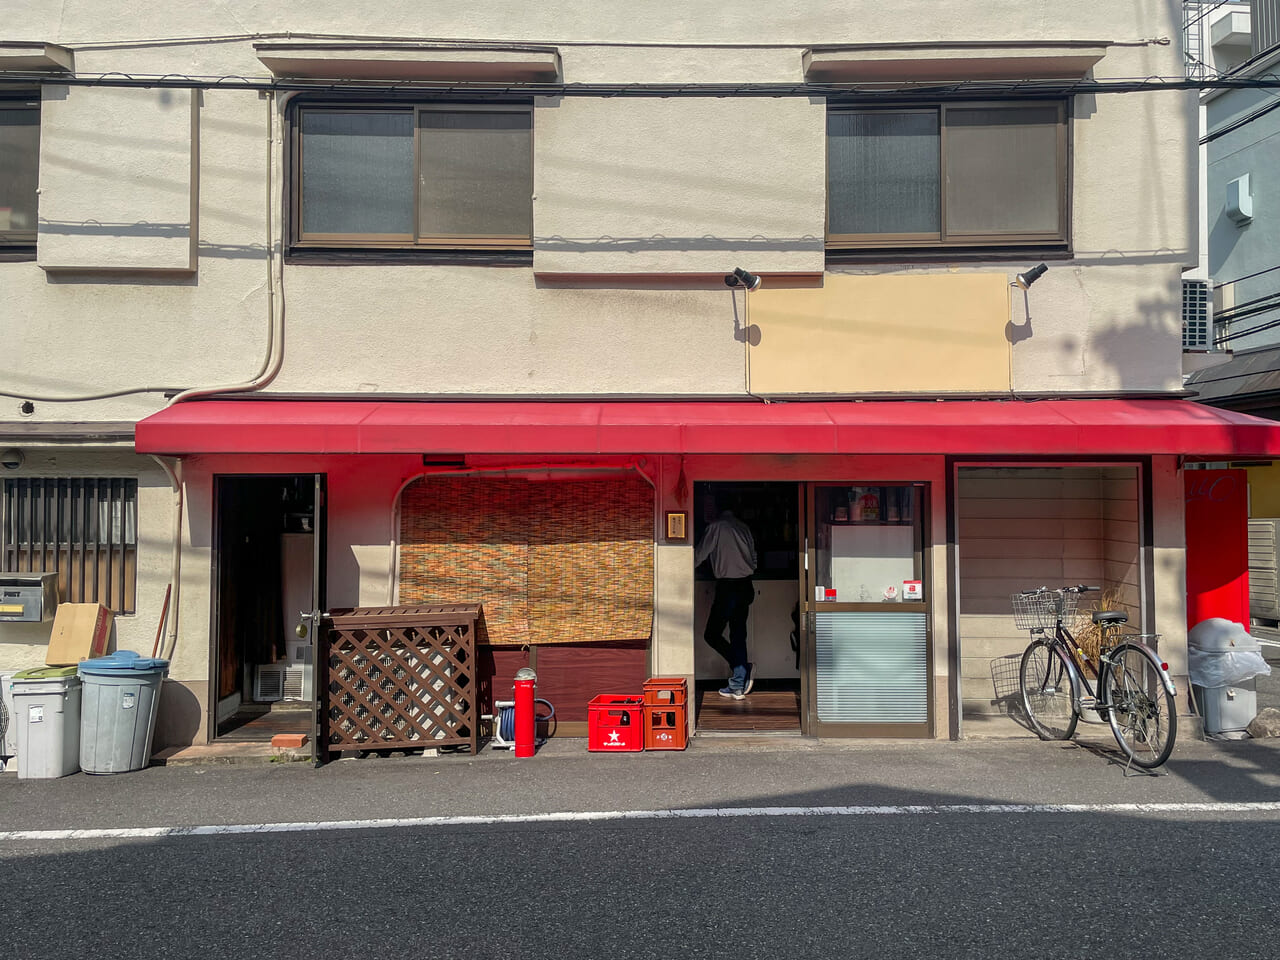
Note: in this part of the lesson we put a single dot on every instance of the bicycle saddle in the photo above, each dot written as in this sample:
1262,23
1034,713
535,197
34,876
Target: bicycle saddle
1110,616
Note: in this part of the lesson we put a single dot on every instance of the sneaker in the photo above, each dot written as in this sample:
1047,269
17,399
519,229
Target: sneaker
731,694
751,679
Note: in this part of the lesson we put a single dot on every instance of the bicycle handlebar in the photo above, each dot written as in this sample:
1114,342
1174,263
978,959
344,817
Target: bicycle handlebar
1078,588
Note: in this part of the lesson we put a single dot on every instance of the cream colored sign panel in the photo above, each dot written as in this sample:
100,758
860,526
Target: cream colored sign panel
936,333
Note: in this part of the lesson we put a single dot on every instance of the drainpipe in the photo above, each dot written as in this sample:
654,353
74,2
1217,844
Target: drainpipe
174,473
274,359
271,365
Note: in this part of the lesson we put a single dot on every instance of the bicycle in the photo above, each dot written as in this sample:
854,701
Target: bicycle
1135,694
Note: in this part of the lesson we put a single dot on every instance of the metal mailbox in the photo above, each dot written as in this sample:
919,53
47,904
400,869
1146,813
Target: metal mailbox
28,597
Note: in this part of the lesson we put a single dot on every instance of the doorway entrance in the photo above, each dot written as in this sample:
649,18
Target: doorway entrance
772,512
269,535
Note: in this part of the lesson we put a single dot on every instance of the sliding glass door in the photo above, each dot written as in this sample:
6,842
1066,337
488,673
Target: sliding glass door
866,603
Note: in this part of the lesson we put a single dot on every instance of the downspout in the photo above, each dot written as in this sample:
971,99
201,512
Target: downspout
275,319
270,368
174,473
274,359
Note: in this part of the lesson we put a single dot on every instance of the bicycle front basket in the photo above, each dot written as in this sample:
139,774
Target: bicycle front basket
1039,610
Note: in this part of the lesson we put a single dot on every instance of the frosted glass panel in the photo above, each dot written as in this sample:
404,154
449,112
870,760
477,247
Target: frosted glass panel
357,173
476,174
20,161
866,560
872,668
883,173
1002,170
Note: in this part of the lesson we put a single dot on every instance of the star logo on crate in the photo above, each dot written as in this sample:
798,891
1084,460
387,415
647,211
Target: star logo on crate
613,737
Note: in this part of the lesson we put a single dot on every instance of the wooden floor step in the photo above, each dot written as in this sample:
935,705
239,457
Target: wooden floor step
770,706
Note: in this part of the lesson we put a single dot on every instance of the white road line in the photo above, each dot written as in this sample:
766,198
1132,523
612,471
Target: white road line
232,829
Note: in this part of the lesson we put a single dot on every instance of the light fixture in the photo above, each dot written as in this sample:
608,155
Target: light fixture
751,281
1027,278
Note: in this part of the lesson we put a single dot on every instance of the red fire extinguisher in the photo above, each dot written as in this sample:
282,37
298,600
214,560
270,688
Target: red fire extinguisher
524,719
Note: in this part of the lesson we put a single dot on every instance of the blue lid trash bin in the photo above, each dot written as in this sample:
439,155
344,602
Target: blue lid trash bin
46,702
118,712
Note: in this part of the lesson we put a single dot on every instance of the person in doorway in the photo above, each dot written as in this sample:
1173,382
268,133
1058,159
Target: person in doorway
731,548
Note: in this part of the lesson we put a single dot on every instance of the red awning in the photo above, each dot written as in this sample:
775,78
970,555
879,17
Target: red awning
969,427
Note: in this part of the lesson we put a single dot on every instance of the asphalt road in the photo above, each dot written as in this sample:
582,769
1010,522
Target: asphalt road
953,885
932,850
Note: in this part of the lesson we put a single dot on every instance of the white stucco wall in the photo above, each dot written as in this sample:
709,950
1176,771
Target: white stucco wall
122,196
700,185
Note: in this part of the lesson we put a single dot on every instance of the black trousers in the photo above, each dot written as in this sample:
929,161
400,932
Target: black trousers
731,606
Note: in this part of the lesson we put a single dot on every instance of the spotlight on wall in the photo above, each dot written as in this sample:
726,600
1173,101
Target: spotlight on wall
739,276
1024,280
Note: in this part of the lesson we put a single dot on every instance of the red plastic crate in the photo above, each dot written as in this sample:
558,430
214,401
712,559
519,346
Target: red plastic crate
672,690
666,727
615,723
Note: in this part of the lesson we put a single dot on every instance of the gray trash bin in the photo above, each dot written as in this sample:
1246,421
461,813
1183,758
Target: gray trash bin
118,719
46,702
1221,659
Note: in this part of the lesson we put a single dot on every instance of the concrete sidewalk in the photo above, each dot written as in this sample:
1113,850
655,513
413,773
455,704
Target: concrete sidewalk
712,773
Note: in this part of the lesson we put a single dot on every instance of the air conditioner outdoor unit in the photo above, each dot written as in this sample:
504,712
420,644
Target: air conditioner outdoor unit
269,682
282,681
1197,315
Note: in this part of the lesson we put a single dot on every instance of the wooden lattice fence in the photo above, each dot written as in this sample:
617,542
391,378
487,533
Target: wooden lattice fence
400,678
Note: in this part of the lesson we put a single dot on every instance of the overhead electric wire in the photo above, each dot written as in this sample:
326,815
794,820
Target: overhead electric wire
903,90
1261,328
1247,276
1246,314
1256,311
1236,310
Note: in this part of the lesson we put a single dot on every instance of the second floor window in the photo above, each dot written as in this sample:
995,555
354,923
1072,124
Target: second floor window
435,176
986,174
19,171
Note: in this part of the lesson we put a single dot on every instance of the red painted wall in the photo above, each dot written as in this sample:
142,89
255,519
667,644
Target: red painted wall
1217,518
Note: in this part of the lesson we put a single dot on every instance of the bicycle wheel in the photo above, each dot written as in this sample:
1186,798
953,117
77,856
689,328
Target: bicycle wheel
1045,680
1140,709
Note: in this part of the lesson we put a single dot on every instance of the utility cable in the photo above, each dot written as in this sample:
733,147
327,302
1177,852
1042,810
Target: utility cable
1247,276
932,89
1238,310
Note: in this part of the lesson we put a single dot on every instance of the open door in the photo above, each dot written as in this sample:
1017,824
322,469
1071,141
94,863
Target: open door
269,575
315,617
770,510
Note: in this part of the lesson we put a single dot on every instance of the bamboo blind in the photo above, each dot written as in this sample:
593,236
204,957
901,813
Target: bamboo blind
550,562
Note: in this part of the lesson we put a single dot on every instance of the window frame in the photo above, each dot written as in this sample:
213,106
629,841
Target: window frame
301,241
942,240
23,240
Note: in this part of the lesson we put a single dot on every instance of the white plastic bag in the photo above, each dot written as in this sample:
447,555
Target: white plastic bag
1221,653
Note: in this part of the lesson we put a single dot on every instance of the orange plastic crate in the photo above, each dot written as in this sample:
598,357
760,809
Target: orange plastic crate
666,690
666,726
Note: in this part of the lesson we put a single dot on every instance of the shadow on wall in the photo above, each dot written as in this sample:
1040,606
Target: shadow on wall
1111,343
180,716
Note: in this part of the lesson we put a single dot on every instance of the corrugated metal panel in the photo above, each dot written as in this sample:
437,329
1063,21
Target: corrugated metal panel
1263,573
872,668
1265,25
